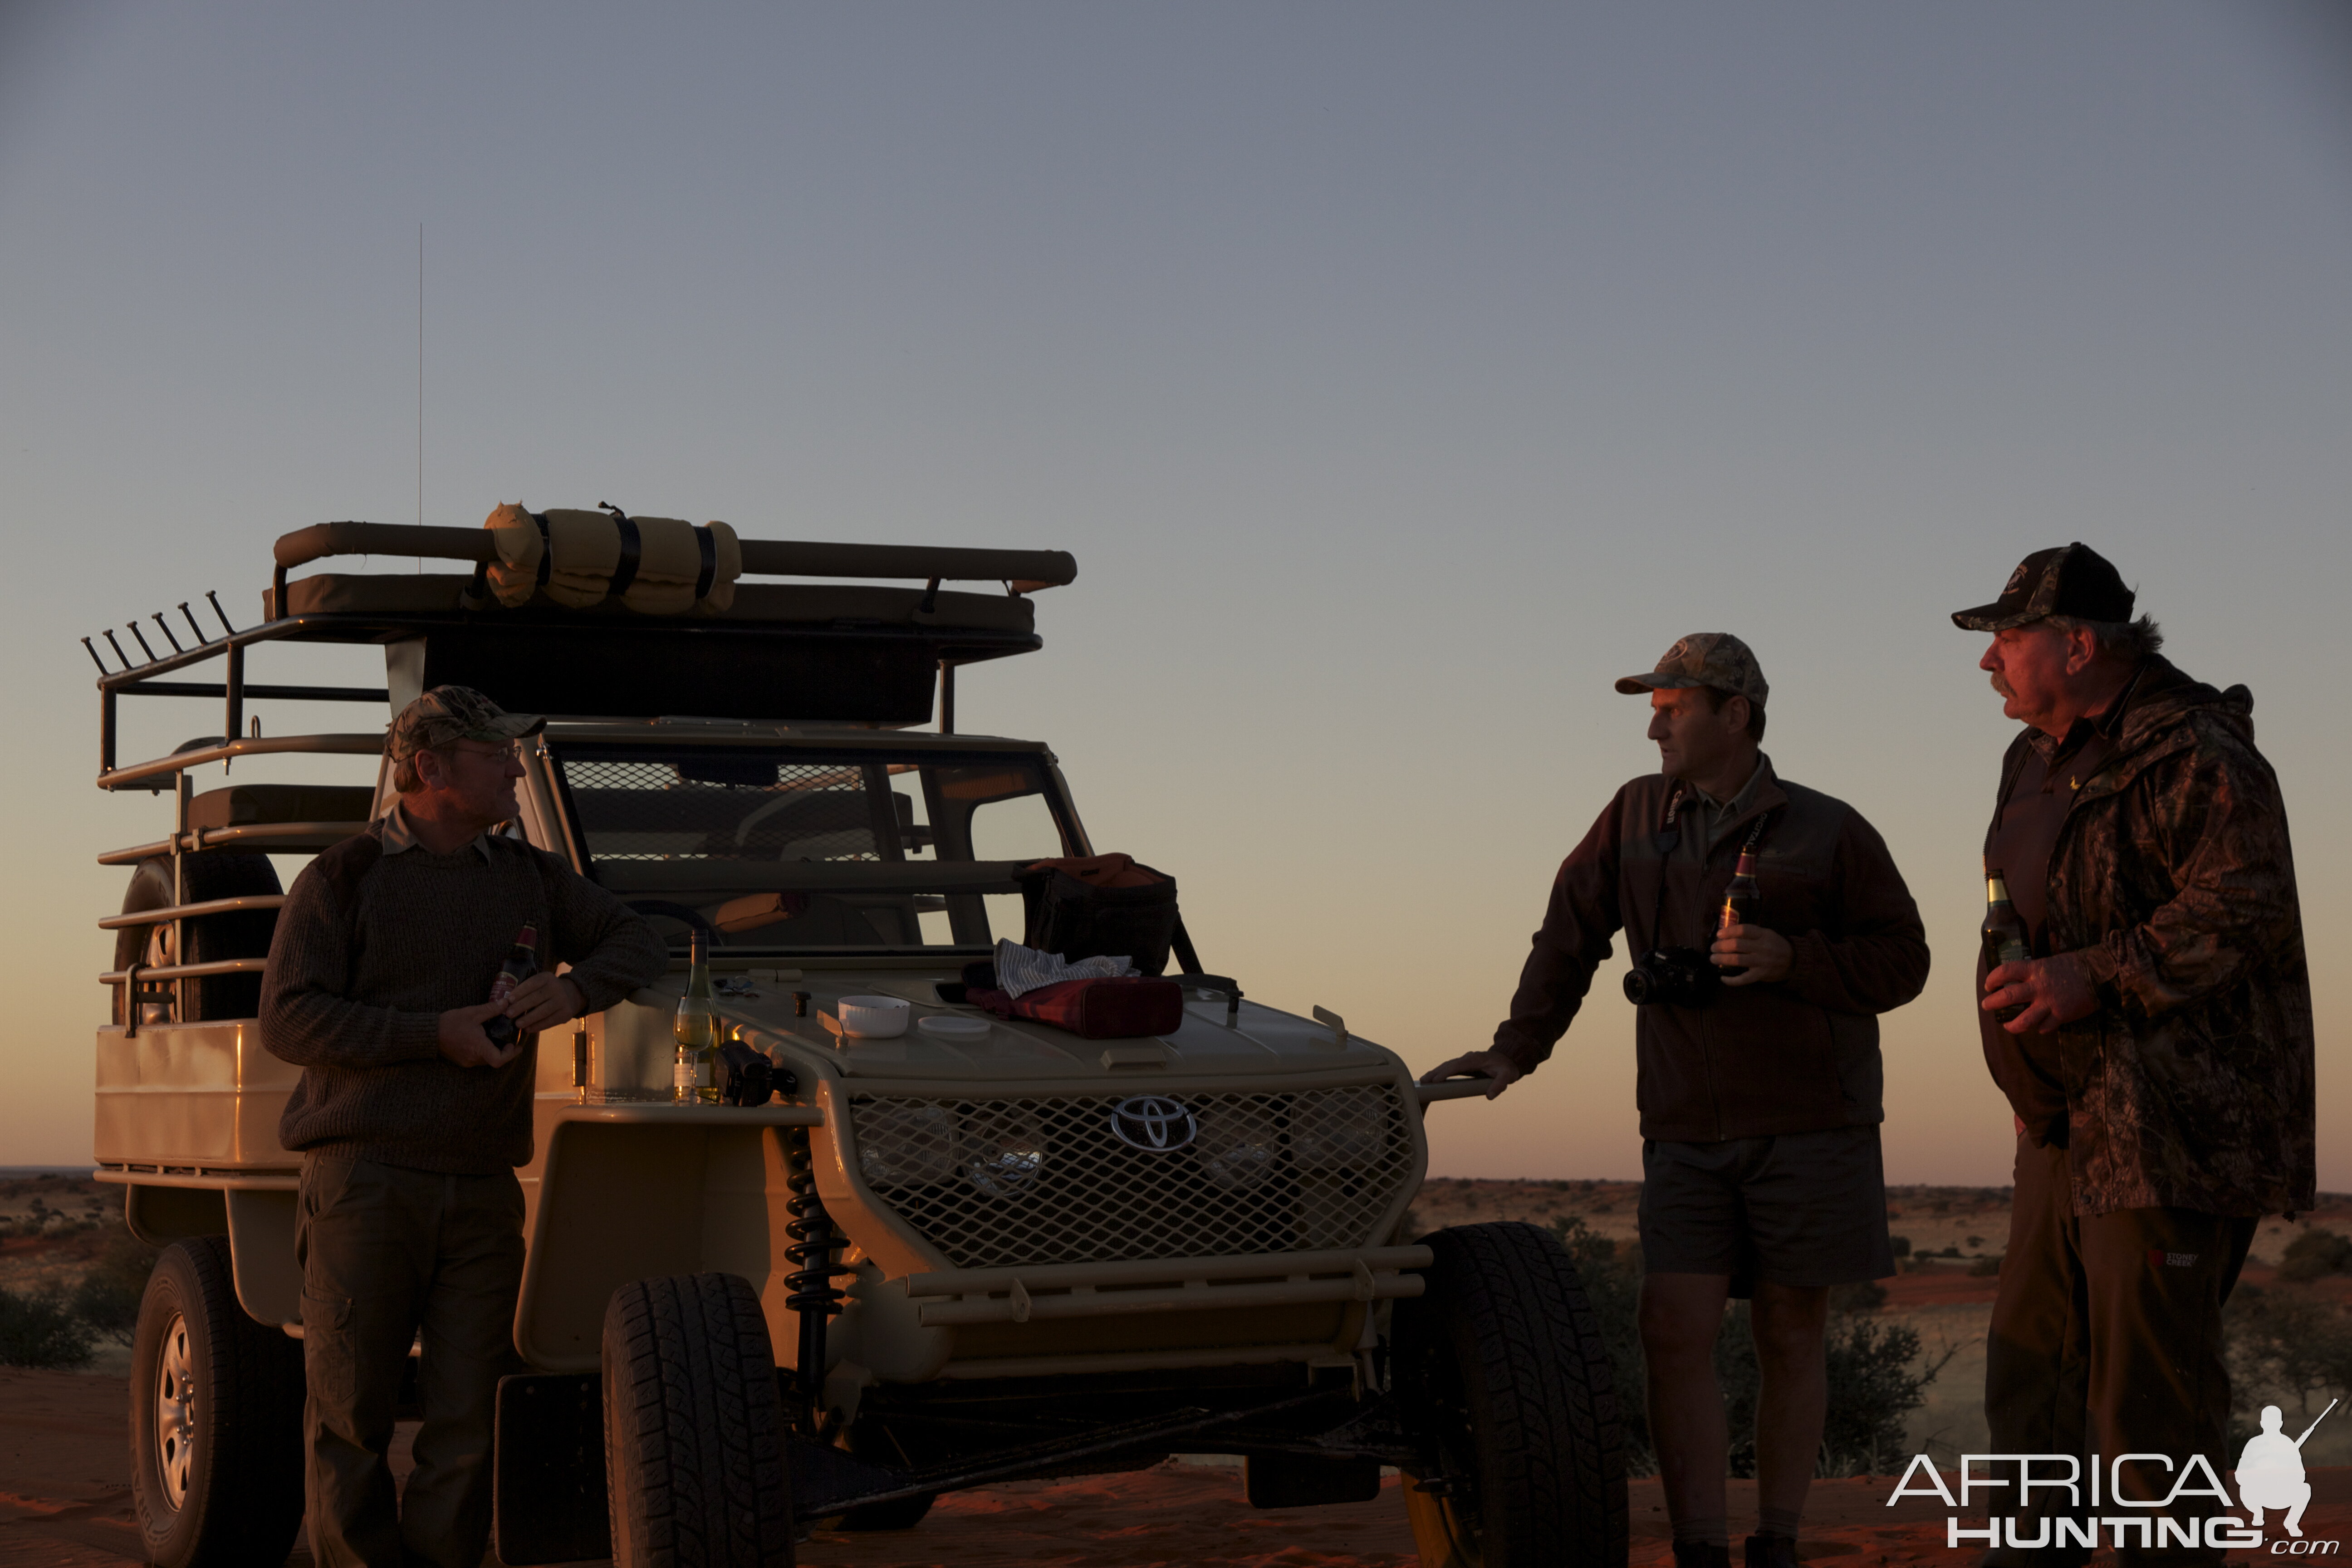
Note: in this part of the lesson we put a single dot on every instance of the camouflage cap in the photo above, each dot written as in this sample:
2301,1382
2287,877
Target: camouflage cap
2064,580
450,713
1704,659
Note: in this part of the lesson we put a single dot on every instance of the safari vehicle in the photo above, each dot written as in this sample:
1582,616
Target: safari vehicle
932,1262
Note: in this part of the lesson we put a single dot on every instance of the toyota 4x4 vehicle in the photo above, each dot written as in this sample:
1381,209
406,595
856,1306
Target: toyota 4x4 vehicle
932,1261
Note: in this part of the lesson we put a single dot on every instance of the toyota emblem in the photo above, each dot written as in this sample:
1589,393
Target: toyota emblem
1153,1122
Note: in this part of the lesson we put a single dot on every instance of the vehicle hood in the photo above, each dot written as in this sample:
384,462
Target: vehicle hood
1262,1040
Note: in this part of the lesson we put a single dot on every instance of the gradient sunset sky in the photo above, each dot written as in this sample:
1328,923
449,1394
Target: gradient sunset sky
1397,375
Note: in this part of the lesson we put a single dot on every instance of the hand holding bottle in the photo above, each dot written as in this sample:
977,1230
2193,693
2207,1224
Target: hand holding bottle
462,1041
544,1001
1750,955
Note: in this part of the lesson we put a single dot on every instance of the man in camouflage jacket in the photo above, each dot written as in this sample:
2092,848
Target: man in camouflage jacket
2156,1044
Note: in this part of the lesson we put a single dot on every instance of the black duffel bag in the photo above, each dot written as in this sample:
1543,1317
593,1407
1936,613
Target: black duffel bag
1104,904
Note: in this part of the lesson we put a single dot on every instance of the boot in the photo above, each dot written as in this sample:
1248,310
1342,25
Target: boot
1701,1554
1771,1552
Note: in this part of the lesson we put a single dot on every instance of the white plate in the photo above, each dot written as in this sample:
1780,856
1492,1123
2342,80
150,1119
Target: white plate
952,1027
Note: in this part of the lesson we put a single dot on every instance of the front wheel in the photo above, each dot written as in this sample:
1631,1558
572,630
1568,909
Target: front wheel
215,1419
1505,1380
693,1447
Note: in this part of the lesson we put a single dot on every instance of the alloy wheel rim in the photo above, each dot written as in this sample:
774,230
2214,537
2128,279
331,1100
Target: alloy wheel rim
176,1413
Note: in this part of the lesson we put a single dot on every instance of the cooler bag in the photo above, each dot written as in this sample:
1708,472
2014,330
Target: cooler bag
1117,1009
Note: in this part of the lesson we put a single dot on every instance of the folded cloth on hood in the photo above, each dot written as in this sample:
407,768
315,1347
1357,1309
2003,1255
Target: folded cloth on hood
1021,969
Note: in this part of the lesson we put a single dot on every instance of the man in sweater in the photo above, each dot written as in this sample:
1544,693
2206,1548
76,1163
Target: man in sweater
1758,1093
410,1119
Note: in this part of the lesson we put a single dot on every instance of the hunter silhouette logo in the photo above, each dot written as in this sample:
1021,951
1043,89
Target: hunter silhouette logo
2270,1472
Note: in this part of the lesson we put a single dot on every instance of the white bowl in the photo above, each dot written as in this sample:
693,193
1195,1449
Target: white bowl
874,1017
952,1027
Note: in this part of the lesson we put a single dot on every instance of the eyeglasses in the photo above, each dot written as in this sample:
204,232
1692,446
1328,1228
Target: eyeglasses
495,753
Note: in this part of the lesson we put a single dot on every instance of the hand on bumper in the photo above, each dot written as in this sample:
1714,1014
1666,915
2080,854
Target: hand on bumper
1493,1066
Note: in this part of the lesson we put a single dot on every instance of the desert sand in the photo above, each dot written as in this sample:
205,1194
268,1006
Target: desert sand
64,1504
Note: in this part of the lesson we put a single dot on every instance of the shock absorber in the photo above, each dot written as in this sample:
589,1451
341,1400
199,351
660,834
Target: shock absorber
809,1289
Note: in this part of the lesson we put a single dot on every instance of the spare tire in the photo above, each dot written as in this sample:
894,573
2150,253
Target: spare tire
1505,1383
241,933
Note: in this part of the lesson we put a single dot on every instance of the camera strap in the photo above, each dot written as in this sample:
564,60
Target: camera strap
1669,838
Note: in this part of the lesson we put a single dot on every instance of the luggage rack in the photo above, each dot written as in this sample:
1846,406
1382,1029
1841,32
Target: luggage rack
841,643
831,654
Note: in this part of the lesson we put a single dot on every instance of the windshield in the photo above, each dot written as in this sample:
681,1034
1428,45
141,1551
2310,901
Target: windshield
795,850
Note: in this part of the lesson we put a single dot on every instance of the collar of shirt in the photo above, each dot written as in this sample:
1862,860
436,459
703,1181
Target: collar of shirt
1739,801
1722,814
2103,726
399,837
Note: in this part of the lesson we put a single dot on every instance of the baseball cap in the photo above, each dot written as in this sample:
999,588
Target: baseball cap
1704,659
448,713
2065,580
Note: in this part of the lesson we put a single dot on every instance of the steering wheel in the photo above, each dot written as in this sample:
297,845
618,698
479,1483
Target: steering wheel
676,911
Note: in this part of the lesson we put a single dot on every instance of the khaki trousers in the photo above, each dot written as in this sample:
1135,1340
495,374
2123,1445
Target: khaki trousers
389,1253
2106,1340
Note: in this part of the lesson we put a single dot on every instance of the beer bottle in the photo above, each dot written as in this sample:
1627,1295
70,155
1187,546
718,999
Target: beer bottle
696,1030
522,963
2004,932
1740,900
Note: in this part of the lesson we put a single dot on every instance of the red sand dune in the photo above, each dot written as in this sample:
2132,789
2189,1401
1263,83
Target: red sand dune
64,1504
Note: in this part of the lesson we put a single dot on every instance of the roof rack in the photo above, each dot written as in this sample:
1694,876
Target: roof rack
803,651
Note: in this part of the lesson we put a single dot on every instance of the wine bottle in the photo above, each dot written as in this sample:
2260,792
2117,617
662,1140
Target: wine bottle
522,963
1742,900
2004,933
696,1030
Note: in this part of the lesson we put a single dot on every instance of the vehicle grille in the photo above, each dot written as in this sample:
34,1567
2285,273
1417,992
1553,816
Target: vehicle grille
993,1183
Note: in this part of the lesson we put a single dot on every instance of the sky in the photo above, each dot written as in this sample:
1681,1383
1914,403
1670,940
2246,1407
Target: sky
1398,376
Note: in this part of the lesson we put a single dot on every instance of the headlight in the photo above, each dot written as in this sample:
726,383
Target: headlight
1236,1145
1000,1150
906,1145
1340,1127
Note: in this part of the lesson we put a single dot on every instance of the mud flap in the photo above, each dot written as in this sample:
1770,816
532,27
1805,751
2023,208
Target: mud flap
547,1489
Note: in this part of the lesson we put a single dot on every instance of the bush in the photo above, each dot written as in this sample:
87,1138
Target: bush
1902,1245
2314,1255
108,1295
2284,1346
1984,1266
38,1329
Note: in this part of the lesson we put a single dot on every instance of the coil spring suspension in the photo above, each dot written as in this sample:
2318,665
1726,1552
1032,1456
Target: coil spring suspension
809,1289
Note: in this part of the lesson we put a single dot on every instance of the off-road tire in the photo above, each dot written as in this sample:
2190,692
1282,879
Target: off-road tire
224,1487
693,1453
1505,1380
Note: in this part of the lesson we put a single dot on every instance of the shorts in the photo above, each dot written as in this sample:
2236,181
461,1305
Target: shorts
1801,1209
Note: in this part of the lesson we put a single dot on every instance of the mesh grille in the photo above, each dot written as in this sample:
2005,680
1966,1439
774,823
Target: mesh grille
993,1183
754,809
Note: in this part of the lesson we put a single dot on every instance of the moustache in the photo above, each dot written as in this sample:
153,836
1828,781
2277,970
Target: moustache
2003,687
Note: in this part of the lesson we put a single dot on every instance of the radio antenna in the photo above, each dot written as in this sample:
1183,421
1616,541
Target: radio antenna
420,385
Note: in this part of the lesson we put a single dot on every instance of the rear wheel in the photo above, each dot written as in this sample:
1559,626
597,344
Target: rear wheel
694,1455
1506,1382
215,1419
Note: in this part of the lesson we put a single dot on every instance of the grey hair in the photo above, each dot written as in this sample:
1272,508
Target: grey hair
2133,641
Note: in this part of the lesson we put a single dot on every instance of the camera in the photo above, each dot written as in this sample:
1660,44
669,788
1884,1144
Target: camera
748,1078
1672,977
